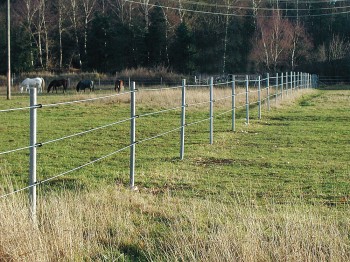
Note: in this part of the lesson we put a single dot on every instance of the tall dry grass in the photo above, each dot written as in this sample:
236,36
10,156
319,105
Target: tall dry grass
115,224
199,97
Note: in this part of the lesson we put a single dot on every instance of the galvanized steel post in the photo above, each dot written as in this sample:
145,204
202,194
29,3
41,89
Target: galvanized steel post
211,110
295,81
247,98
183,114
132,134
32,151
233,103
268,91
259,97
276,87
282,83
287,82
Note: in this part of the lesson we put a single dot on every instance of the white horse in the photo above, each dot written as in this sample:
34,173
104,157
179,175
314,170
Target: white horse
37,82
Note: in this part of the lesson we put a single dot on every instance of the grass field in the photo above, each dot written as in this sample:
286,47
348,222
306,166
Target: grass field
276,189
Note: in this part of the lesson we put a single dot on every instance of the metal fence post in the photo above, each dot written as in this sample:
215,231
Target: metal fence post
132,134
233,103
183,115
247,98
276,87
268,91
291,82
32,151
282,83
287,82
259,98
301,80
211,110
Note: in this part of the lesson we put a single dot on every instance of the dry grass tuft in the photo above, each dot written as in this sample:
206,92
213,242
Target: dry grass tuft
117,223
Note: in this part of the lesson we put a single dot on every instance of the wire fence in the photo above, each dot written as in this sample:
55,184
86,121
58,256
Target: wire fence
243,92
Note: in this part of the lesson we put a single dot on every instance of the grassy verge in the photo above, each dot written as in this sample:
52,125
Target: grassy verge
276,189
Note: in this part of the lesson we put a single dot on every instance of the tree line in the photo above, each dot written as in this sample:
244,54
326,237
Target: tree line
228,36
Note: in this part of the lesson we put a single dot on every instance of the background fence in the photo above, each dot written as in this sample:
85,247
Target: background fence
245,92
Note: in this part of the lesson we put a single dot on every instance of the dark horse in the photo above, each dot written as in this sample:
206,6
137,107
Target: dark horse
54,84
85,84
119,84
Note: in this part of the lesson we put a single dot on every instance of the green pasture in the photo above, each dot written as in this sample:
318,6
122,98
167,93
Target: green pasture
299,150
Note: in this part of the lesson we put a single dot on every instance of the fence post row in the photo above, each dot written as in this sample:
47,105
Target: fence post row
132,134
32,151
183,115
298,80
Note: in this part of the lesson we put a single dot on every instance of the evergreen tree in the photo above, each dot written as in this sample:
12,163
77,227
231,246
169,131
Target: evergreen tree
109,45
182,50
156,38
21,51
208,38
99,38
239,41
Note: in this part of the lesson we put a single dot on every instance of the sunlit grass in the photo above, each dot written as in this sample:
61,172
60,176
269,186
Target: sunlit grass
276,189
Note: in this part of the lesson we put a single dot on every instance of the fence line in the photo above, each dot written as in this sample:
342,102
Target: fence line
84,132
159,112
297,81
160,89
84,100
19,108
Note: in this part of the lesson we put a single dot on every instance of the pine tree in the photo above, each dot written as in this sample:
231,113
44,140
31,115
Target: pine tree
156,38
182,50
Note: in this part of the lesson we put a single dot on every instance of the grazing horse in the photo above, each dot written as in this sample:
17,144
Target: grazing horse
37,82
54,84
118,85
85,84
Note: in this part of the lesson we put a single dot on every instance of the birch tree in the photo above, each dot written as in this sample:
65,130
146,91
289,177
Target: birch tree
301,44
26,11
60,11
88,7
181,11
120,9
74,16
274,40
43,31
145,9
339,48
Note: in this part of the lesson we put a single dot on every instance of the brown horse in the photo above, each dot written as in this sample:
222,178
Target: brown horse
118,85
